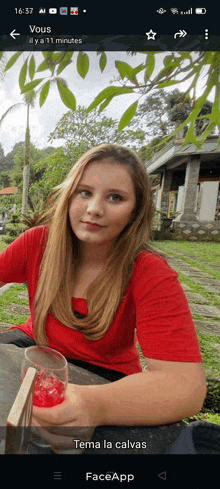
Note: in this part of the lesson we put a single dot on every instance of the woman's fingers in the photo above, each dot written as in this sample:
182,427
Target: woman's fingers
63,438
61,425
61,413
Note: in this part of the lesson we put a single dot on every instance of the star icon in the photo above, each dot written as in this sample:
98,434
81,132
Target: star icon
151,35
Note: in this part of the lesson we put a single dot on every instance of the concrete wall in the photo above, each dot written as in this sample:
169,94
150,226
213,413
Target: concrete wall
180,198
208,202
158,199
196,231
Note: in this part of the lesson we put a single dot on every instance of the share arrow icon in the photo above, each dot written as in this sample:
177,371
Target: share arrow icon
180,33
13,34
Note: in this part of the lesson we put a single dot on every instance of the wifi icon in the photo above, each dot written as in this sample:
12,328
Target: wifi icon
174,10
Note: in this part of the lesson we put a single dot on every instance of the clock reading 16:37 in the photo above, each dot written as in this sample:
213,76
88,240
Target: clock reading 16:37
24,11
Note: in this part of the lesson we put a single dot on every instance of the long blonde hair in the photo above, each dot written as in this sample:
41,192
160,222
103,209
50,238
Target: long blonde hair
61,254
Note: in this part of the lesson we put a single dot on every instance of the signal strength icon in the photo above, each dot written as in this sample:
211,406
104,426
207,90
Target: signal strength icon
174,11
190,11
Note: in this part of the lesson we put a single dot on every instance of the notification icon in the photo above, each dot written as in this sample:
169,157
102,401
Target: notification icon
63,10
74,11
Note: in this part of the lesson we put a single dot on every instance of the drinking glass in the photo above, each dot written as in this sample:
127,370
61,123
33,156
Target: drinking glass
52,375
50,385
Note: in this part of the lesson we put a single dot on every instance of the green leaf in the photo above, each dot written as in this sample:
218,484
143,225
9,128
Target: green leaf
190,135
164,72
124,69
167,84
82,64
137,70
127,116
30,97
185,54
105,103
150,64
48,54
106,94
194,114
167,60
23,74
102,61
208,58
12,60
44,92
65,62
1,54
49,59
57,57
31,85
32,67
43,66
66,96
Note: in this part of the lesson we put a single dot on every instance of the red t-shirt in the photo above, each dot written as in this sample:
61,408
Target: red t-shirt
154,311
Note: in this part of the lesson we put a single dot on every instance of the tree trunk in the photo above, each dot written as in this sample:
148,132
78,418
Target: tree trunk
26,170
26,177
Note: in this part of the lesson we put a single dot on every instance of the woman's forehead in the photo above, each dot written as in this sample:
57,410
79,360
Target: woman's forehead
105,169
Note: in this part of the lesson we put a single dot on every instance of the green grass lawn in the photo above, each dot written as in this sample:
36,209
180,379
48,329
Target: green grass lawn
11,296
208,251
206,258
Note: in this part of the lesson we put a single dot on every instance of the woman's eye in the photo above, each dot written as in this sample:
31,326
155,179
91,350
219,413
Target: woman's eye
84,191
113,197
118,197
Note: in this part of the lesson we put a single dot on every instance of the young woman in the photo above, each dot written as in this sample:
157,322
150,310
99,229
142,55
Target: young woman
96,286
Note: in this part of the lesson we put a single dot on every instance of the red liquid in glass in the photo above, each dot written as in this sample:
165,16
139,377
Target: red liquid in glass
49,390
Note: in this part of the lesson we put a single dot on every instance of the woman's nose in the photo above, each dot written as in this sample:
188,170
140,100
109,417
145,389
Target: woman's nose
95,205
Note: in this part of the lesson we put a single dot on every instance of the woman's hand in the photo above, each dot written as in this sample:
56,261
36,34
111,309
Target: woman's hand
75,418
75,410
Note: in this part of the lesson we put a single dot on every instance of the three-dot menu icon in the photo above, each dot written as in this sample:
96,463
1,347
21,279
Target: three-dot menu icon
57,476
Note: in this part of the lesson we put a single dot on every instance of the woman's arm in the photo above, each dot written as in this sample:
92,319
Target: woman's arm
166,393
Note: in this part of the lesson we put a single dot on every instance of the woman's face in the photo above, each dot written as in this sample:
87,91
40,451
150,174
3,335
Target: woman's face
105,196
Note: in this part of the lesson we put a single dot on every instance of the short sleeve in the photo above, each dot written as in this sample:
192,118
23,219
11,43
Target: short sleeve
165,328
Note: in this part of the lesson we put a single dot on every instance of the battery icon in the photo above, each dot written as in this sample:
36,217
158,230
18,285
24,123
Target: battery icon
200,11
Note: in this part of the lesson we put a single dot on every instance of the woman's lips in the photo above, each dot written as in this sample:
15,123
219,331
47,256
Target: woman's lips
92,226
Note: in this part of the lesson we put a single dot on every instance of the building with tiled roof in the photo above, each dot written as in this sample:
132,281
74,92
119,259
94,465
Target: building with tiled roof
189,186
9,191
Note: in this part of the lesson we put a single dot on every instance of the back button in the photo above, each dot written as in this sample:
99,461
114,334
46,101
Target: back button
163,475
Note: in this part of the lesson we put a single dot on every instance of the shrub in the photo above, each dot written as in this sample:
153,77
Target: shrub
212,400
14,228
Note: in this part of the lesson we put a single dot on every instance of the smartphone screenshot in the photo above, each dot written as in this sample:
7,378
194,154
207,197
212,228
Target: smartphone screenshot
140,84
